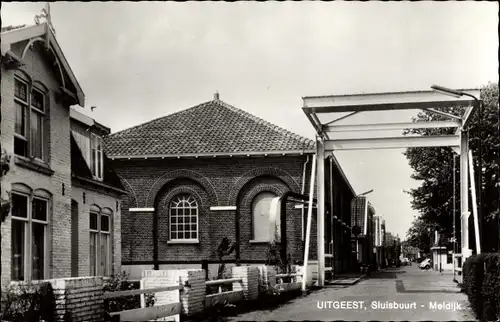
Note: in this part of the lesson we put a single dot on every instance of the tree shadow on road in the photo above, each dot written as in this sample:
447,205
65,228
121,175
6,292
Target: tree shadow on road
400,288
263,304
383,275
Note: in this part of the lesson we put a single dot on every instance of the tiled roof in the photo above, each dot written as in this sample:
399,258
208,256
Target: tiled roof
211,127
358,206
80,168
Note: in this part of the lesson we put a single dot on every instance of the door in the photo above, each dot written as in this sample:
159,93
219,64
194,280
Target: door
74,238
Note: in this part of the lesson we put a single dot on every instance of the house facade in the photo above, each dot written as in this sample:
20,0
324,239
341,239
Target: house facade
363,240
379,225
209,172
48,204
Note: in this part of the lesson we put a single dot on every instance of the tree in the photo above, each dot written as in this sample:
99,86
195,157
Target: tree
418,236
434,167
224,249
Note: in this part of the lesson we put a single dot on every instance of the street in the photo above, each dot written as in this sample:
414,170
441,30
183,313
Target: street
404,293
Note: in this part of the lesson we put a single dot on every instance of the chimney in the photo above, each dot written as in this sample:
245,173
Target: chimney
216,96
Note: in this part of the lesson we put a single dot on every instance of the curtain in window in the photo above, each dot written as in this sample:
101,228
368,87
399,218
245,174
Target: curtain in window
99,157
104,254
18,240
36,135
93,160
38,251
20,127
93,254
81,137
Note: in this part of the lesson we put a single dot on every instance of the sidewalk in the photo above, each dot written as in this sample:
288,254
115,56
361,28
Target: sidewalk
419,290
345,279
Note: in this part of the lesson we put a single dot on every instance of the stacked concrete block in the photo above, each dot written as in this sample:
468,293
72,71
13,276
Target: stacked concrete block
192,296
267,276
249,281
78,298
300,270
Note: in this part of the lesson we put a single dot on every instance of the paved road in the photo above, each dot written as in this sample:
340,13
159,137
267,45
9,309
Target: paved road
404,286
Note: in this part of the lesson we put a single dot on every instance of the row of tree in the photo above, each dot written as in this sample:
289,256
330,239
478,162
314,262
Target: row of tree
433,199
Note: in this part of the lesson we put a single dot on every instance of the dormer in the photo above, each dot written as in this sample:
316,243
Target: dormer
88,135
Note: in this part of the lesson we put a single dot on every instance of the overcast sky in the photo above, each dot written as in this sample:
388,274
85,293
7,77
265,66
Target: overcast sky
139,61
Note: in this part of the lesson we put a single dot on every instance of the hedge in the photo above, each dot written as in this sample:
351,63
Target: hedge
28,302
482,285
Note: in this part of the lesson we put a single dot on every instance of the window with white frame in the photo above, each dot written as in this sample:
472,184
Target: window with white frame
29,237
183,218
261,207
96,156
100,243
29,119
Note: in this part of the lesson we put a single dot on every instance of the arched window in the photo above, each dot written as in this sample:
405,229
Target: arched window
261,206
30,225
100,241
183,218
31,106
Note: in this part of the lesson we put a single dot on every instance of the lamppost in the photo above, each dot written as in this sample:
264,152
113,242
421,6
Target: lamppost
356,230
479,105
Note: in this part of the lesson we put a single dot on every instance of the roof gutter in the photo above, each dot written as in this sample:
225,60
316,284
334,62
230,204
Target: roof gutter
342,173
210,155
100,184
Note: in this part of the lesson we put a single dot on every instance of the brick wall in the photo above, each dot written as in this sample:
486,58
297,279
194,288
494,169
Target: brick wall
58,144
213,182
79,298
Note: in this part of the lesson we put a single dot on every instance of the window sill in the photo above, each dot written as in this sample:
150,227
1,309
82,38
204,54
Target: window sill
33,164
187,241
259,241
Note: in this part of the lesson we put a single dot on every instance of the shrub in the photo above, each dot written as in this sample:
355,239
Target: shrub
491,287
28,302
275,258
120,282
481,275
473,278
224,249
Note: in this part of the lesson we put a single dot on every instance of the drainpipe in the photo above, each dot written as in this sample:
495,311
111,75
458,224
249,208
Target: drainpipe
302,193
156,265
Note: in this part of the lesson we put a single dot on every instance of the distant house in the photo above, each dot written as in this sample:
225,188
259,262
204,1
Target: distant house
64,217
362,216
379,226
209,172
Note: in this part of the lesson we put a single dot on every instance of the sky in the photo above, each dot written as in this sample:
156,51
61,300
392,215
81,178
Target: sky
141,60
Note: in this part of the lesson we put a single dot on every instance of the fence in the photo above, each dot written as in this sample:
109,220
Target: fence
177,292
146,313
294,285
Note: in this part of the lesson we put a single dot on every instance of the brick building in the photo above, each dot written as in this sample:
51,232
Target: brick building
362,216
64,215
379,239
209,172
